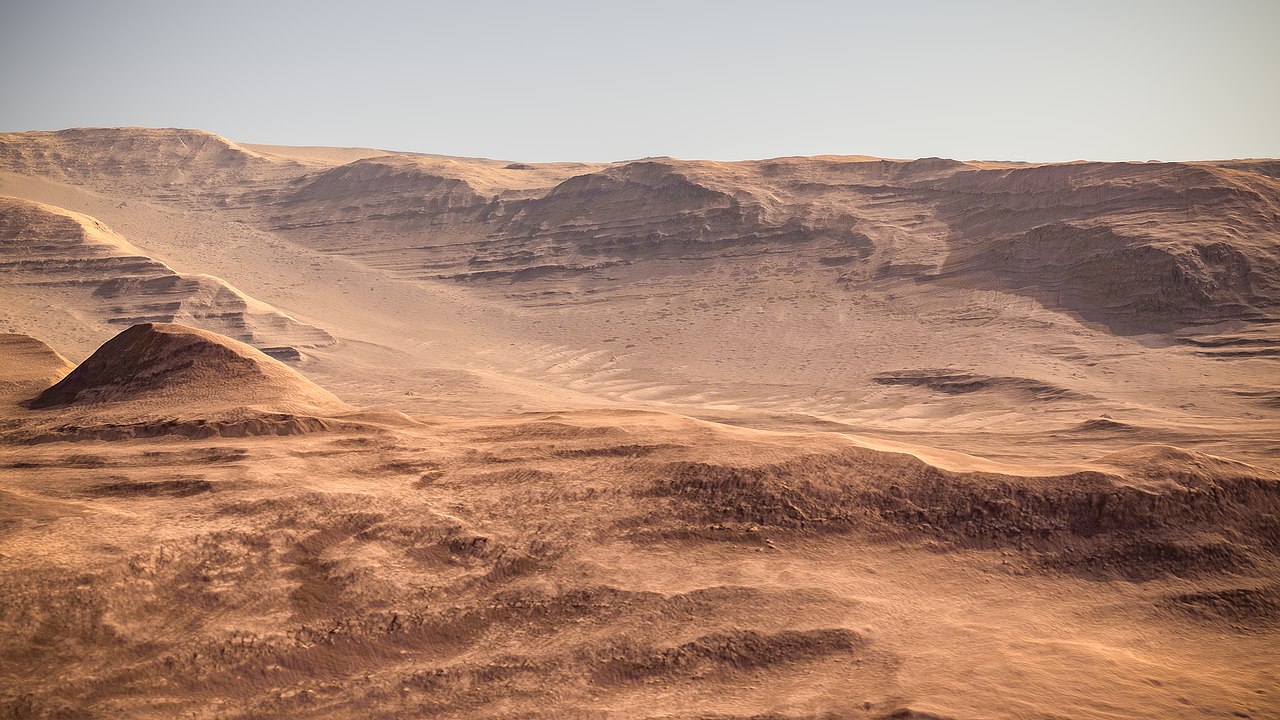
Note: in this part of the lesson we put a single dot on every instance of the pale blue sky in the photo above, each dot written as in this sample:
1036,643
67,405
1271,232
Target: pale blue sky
602,80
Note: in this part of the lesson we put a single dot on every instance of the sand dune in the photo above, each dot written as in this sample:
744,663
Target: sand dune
789,438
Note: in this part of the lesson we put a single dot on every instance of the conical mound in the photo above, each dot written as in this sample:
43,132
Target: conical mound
178,368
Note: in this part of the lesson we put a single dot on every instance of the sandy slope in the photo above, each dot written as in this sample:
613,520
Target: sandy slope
777,293
604,562
71,269
29,367
968,457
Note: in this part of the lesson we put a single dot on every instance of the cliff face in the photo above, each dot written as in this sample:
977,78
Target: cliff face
788,287
1137,246
53,256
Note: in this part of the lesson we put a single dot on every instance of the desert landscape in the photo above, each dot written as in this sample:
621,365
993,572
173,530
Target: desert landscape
344,432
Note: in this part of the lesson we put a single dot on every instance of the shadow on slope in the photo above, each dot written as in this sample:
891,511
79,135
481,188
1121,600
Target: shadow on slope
159,379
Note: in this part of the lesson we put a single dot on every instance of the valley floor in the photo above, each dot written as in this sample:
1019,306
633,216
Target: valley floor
545,566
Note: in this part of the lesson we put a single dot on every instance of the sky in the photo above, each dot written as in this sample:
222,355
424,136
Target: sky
602,80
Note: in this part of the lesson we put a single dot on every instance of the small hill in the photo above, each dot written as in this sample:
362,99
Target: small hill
183,370
28,366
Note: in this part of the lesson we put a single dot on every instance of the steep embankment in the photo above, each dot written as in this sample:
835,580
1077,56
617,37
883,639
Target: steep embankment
1138,246
53,259
190,167
774,292
27,367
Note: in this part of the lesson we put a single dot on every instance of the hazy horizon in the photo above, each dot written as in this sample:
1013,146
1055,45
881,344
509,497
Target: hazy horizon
576,81
336,434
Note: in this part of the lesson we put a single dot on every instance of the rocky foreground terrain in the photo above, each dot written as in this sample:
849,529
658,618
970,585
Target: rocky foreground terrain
317,432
